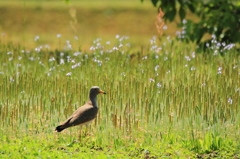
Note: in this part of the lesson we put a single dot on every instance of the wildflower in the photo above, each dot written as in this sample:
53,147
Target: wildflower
61,61
36,38
76,65
219,70
69,74
52,59
37,49
92,48
76,37
11,80
193,55
187,58
184,21
229,47
31,58
159,85
144,58
115,48
123,74
156,67
192,68
52,68
77,53
230,101
120,45
165,27
128,44
59,35
152,80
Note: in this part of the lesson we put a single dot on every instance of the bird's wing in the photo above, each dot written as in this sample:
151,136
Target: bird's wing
82,115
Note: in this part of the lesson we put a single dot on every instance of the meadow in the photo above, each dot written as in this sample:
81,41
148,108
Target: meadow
163,101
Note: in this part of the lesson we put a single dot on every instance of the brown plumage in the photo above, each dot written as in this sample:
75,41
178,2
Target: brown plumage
84,114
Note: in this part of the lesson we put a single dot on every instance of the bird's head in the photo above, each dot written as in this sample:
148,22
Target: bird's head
95,90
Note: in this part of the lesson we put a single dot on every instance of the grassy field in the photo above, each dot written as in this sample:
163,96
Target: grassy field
162,101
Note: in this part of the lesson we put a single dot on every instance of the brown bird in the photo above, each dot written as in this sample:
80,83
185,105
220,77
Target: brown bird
84,114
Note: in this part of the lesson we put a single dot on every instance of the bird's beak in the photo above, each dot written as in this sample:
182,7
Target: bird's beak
100,91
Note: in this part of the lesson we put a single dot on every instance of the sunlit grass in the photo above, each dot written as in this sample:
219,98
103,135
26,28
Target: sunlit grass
166,100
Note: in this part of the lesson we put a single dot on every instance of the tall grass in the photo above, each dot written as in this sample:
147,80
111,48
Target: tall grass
166,95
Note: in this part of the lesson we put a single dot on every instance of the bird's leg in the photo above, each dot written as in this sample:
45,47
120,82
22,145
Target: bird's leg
80,134
86,130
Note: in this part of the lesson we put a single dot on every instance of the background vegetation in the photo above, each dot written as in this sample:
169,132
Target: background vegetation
163,99
217,17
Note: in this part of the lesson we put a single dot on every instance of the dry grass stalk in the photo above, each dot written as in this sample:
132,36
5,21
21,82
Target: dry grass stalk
160,22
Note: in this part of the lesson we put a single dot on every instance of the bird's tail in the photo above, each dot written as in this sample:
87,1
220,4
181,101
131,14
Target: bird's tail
59,128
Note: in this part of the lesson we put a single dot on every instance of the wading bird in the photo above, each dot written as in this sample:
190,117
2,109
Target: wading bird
84,114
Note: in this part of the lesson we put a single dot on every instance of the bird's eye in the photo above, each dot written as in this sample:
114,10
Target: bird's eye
95,89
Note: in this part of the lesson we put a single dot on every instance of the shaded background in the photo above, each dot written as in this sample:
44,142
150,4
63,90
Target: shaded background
21,21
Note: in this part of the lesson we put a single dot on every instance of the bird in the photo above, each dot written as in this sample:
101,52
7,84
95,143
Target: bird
84,114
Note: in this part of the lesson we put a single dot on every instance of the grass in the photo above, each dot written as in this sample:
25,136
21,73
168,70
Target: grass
163,100
169,103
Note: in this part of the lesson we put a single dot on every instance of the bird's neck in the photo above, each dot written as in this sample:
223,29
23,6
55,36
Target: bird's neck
93,100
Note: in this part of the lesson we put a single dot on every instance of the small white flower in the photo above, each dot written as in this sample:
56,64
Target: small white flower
187,58
77,53
61,61
59,35
120,45
156,67
152,80
192,68
52,59
165,27
123,74
184,21
144,58
36,38
115,48
76,37
230,101
69,74
159,85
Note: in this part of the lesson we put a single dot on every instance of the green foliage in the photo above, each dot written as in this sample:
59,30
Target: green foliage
217,17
